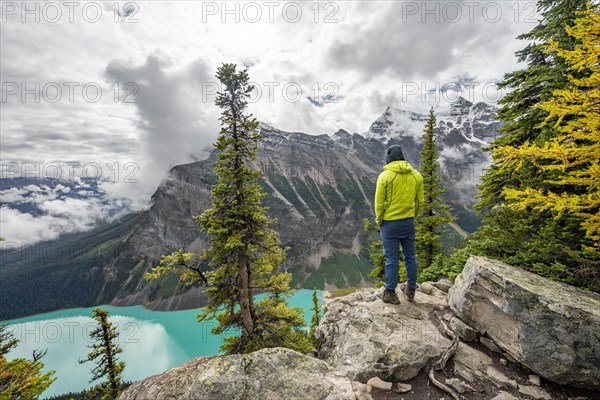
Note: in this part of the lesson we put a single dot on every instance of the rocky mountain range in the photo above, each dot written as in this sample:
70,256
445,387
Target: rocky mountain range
319,188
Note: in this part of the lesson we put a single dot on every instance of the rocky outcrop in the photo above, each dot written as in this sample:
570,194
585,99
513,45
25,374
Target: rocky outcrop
364,337
168,385
375,350
552,328
269,374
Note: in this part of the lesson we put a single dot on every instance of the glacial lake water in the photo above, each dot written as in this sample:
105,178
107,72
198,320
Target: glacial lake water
152,341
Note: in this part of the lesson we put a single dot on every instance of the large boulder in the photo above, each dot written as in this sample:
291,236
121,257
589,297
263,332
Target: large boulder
552,328
267,374
168,385
364,337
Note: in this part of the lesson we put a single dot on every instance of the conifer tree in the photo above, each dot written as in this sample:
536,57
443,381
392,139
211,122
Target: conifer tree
525,88
543,240
574,154
316,318
104,353
245,251
21,379
435,212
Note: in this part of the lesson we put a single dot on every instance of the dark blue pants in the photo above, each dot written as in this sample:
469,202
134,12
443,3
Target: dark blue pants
393,234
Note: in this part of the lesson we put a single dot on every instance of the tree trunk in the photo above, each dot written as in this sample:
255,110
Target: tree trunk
428,256
243,269
245,299
110,361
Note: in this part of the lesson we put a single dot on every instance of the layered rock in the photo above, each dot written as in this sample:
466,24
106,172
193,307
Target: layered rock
269,374
364,337
552,328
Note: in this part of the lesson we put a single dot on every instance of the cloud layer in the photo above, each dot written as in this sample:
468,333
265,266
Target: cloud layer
38,211
136,86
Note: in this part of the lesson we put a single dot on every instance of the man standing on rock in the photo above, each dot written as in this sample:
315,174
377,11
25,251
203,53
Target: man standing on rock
398,198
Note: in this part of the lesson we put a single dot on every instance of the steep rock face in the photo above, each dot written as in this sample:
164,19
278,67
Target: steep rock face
364,337
319,188
269,374
552,328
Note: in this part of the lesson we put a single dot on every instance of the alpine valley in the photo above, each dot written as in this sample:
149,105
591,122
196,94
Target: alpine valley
319,188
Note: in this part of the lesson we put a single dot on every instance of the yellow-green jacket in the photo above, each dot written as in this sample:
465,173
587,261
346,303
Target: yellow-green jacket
399,192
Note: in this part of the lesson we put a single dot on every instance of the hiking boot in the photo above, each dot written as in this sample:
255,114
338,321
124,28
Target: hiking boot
390,297
409,293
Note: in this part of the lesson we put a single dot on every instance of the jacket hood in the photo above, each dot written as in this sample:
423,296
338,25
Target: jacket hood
401,167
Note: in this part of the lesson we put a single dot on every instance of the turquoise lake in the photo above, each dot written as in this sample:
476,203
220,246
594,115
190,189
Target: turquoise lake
152,341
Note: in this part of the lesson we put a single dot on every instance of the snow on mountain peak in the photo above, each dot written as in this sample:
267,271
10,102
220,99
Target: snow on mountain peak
395,122
476,122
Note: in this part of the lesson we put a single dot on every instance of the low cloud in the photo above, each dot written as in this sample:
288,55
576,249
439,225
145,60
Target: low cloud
351,60
177,123
35,213
59,217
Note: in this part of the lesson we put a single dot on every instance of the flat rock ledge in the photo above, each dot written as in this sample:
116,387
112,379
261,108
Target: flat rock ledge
363,337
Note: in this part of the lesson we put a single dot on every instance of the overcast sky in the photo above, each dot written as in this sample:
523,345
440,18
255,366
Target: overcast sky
135,83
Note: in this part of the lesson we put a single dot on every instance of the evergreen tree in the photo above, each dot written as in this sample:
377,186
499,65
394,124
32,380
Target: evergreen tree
21,379
245,252
316,318
525,88
435,212
104,353
574,154
545,240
